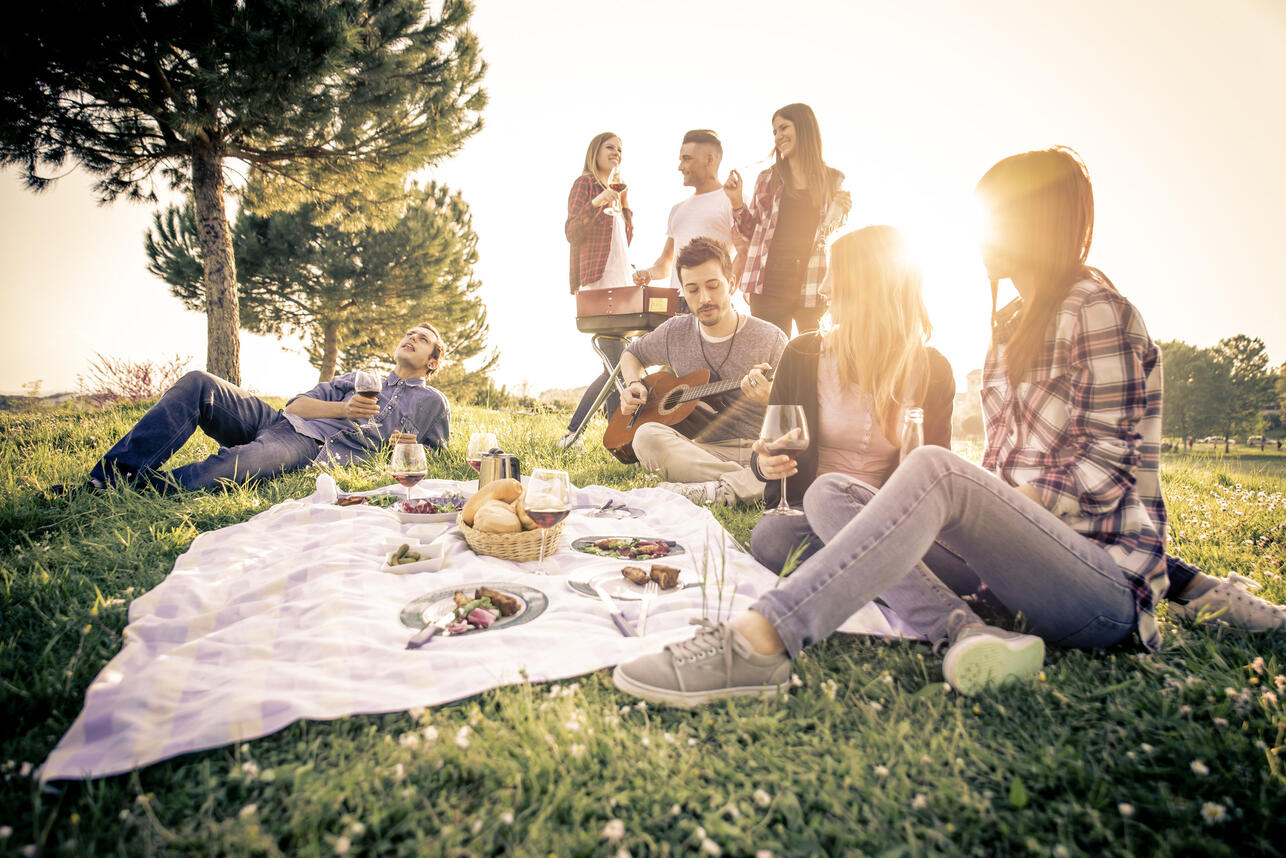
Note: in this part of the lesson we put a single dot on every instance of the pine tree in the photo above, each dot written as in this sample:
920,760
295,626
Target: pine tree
351,293
327,100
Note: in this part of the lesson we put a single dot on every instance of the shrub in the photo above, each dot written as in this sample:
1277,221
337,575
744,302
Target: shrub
111,380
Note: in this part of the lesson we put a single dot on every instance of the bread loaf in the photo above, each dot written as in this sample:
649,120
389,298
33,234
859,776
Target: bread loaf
507,490
520,507
496,516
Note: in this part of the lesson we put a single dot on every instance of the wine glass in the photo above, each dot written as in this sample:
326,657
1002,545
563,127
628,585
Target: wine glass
784,433
368,384
614,182
480,443
548,501
409,465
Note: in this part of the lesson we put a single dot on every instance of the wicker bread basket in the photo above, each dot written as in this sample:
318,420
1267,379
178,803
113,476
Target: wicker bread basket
511,546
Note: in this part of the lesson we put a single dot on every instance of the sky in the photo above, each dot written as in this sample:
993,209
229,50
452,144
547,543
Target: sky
1175,105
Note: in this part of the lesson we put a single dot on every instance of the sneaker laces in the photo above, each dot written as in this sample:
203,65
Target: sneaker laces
708,641
1243,582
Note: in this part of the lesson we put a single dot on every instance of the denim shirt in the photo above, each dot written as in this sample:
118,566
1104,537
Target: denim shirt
406,405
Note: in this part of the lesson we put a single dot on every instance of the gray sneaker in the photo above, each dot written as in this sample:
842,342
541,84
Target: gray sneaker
715,664
1230,601
980,655
711,491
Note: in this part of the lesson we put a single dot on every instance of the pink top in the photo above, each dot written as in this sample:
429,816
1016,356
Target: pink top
849,439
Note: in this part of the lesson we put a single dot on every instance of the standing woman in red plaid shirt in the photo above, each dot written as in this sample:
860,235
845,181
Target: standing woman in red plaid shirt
1064,523
797,203
600,227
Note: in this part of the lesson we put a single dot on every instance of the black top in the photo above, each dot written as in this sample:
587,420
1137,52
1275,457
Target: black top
792,244
795,383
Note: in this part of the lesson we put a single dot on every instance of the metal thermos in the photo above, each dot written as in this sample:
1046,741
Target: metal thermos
496,465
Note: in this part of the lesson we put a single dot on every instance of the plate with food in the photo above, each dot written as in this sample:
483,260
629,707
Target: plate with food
476,608
627,547
627,582
425,510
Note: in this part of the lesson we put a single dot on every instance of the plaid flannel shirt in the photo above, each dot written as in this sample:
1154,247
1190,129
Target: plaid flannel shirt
1084,428
589,230
758,222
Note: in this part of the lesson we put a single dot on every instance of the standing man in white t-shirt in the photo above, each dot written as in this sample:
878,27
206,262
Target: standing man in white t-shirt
707,213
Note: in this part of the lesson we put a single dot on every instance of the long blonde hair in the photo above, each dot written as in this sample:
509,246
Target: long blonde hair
1042,210
591,154
881,323
808,155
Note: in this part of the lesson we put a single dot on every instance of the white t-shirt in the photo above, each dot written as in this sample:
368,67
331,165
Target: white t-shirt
708,214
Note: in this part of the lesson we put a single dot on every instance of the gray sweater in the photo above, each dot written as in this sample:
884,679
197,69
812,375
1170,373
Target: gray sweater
679,344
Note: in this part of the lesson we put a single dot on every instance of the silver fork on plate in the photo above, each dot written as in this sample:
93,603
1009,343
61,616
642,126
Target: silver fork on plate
650,591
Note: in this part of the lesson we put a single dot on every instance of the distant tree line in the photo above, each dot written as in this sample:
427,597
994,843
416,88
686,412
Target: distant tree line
1225,391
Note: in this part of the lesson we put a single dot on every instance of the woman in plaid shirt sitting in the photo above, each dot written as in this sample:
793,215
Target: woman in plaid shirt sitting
1064,522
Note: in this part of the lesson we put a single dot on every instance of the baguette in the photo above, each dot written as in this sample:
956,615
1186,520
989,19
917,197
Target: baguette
507,490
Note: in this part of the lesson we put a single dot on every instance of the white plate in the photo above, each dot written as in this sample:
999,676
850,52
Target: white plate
432,560
583,581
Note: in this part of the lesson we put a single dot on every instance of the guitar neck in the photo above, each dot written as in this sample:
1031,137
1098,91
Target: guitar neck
713,388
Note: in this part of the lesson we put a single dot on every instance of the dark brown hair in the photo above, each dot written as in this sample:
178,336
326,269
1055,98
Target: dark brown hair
1041,211
439,349
701,250
704,135
808,155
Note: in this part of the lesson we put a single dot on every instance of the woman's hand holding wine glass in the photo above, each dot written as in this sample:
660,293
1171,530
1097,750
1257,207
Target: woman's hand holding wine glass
783,436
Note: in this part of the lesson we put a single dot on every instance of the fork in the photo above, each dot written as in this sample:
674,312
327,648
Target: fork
650,591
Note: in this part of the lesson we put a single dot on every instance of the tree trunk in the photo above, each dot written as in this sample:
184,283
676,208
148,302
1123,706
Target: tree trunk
223,348
330,350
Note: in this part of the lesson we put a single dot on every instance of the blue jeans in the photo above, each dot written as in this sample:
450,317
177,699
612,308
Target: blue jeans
924,598
1067,589
613,349
255,439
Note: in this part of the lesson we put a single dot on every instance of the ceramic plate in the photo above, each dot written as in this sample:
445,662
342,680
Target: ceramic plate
619,587
420,611
585,545
617,511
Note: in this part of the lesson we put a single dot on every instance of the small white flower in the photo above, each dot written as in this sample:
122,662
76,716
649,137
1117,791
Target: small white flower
926,759
675,810
462,736
342,845
762,798
6,832
920,802
829,688
764,853
250,768
416,712
578,751
399,772
507,817
1199,768
409,740
1219,722
1185,709
882,770
1257,665
625,710
476,827
123,815
876,706
1146,748
1126,809
430,734
245,747
709,847
623,853
554,689
691,742
645,741
1270,698
1213,813
248,811
30,851
24,770
1061,851
1280,681
614,830
795,681
641,706
357,829
888,679
572,725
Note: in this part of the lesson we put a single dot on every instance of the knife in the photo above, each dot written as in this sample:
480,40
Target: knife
617,617
427,633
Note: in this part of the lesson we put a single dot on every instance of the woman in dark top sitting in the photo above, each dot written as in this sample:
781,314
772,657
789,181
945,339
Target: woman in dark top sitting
797,203
855,382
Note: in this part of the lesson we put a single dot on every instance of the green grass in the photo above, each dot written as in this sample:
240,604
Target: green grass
867,756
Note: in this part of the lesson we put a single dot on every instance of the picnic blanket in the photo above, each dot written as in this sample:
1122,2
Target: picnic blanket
287,616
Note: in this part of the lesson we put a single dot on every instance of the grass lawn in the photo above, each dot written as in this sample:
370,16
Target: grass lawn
1112,754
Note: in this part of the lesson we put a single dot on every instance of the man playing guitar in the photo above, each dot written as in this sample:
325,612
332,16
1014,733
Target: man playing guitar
713,467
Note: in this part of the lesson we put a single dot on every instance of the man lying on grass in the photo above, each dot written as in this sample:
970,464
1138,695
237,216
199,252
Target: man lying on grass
330,423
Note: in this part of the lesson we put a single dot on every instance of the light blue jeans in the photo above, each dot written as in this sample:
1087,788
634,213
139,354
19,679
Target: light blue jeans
923,599
1066,589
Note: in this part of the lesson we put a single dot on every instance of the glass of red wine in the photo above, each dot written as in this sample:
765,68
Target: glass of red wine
368,384
409,465
548,501
784,433
480,443
614,182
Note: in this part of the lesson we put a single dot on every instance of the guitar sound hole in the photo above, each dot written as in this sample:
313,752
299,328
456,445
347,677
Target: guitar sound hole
671,402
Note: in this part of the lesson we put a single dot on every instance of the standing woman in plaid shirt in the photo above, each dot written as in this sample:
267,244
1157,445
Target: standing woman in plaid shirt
600,227
1064,523
797,203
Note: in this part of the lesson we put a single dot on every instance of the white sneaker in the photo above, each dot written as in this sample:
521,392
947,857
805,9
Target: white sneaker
980,655
711,491
1230,601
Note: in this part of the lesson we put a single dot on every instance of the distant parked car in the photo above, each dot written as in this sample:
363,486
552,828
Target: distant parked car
1213,439
1255,440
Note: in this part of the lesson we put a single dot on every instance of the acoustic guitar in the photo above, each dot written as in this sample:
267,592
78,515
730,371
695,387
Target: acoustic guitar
671,400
